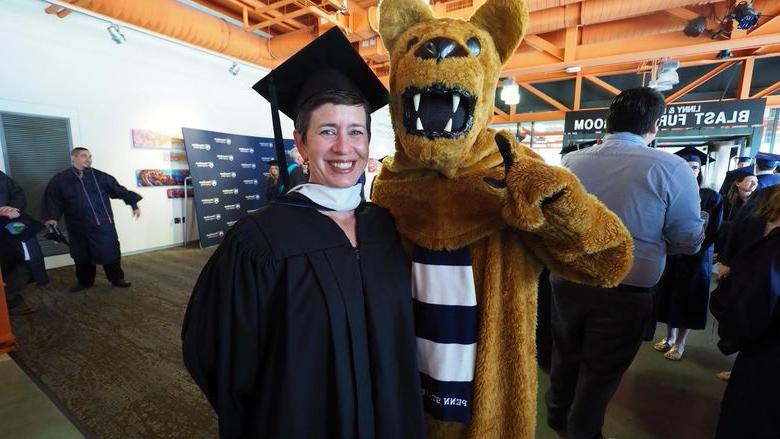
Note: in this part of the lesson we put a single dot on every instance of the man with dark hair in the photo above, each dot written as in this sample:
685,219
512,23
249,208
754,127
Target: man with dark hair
83,194
598,331
21,261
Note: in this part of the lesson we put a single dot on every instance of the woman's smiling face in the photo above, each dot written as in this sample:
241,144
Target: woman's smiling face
335,144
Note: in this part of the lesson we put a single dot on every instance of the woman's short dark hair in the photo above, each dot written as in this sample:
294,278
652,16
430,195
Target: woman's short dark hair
635,110
336,97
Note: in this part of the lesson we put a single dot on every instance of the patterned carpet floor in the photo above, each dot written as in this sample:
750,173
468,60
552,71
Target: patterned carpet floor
111,357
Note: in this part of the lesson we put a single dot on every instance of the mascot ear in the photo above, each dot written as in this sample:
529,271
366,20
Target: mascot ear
396,16
506,21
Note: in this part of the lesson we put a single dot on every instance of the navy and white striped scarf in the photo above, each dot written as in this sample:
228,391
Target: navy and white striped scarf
445,312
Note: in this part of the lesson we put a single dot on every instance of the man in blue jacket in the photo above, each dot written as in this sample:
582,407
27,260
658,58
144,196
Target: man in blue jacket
21,261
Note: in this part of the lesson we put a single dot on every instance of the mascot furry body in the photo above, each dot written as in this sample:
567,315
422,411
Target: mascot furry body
453,184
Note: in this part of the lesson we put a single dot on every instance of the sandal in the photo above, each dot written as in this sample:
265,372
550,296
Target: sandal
675,353
663,345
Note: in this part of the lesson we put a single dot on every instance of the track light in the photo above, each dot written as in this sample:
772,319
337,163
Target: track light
234,69
510,92
745,15
696,27
116,34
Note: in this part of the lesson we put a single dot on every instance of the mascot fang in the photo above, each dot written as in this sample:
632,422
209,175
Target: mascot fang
480,215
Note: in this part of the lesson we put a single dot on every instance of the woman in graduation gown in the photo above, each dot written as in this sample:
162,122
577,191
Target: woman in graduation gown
301,325
749,316
683,291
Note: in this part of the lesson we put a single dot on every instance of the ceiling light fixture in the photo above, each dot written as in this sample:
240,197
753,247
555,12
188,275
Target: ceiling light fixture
696,27
723,54
746,17
510,92
116,34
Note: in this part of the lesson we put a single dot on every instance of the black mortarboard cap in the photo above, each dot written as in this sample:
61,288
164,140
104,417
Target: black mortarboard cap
767,160
329,63
691,154
744,159
21,228
272,163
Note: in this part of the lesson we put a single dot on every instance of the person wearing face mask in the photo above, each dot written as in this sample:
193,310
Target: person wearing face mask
682,294
300,324
82,194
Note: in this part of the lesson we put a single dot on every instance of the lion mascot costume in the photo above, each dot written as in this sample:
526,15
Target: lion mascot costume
480,215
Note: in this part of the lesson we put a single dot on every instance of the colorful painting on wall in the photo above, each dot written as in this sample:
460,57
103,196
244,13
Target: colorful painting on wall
175,157
161,177
157,140
179,193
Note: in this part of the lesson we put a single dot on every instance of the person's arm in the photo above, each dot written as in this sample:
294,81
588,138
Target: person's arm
16,197
715,220
53,203
223,330
116,190
570,231
683,224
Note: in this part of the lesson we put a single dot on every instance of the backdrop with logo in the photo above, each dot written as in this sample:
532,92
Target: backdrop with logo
229,174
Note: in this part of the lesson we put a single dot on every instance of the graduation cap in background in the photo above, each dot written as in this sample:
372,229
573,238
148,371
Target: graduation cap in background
329,63
21,228
691,154
270,163
577,146
55,235
767,160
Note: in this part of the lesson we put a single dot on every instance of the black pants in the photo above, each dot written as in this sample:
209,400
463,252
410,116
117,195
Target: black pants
15,279
85,273
596,334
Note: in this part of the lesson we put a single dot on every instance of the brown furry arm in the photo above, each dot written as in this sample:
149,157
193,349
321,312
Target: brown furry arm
573,233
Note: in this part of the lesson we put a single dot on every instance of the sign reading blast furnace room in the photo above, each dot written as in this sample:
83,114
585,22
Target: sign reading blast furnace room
700,115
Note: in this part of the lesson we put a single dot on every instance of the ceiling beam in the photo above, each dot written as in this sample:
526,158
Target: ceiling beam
531,117
745,78
577,91
699,81
543,45
606,86
767,91
279,19
673,45
546,98
571,42
501,113
683,14
771,26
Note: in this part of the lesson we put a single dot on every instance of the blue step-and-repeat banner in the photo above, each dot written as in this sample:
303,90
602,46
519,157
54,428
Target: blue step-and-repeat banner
229,177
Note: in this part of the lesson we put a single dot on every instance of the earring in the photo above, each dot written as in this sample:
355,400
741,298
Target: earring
306,162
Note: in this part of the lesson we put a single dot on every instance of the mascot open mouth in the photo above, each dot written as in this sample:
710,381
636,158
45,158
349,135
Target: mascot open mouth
438,111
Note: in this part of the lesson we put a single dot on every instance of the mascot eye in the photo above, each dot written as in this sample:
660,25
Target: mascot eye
411,43
473,45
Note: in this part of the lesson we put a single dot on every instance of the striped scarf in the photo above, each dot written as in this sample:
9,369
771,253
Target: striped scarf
445,310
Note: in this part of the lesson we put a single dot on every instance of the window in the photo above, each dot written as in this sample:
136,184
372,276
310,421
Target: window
35,148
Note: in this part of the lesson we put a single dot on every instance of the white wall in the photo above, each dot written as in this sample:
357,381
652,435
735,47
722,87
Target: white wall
70,67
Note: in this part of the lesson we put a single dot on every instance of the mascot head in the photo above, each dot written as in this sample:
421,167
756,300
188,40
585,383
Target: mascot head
444,74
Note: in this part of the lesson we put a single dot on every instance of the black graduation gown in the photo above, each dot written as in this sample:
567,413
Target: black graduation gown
11,194
749,318
292,333
683,292
85,202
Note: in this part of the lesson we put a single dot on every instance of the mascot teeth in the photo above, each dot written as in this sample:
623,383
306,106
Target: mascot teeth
438,111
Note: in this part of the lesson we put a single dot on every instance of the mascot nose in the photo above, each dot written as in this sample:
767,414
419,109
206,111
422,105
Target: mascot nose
439,48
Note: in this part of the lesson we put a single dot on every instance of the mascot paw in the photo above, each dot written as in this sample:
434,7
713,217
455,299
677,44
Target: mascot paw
531,185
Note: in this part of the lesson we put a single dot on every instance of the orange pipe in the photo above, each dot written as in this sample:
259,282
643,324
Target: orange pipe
176,20
7,339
